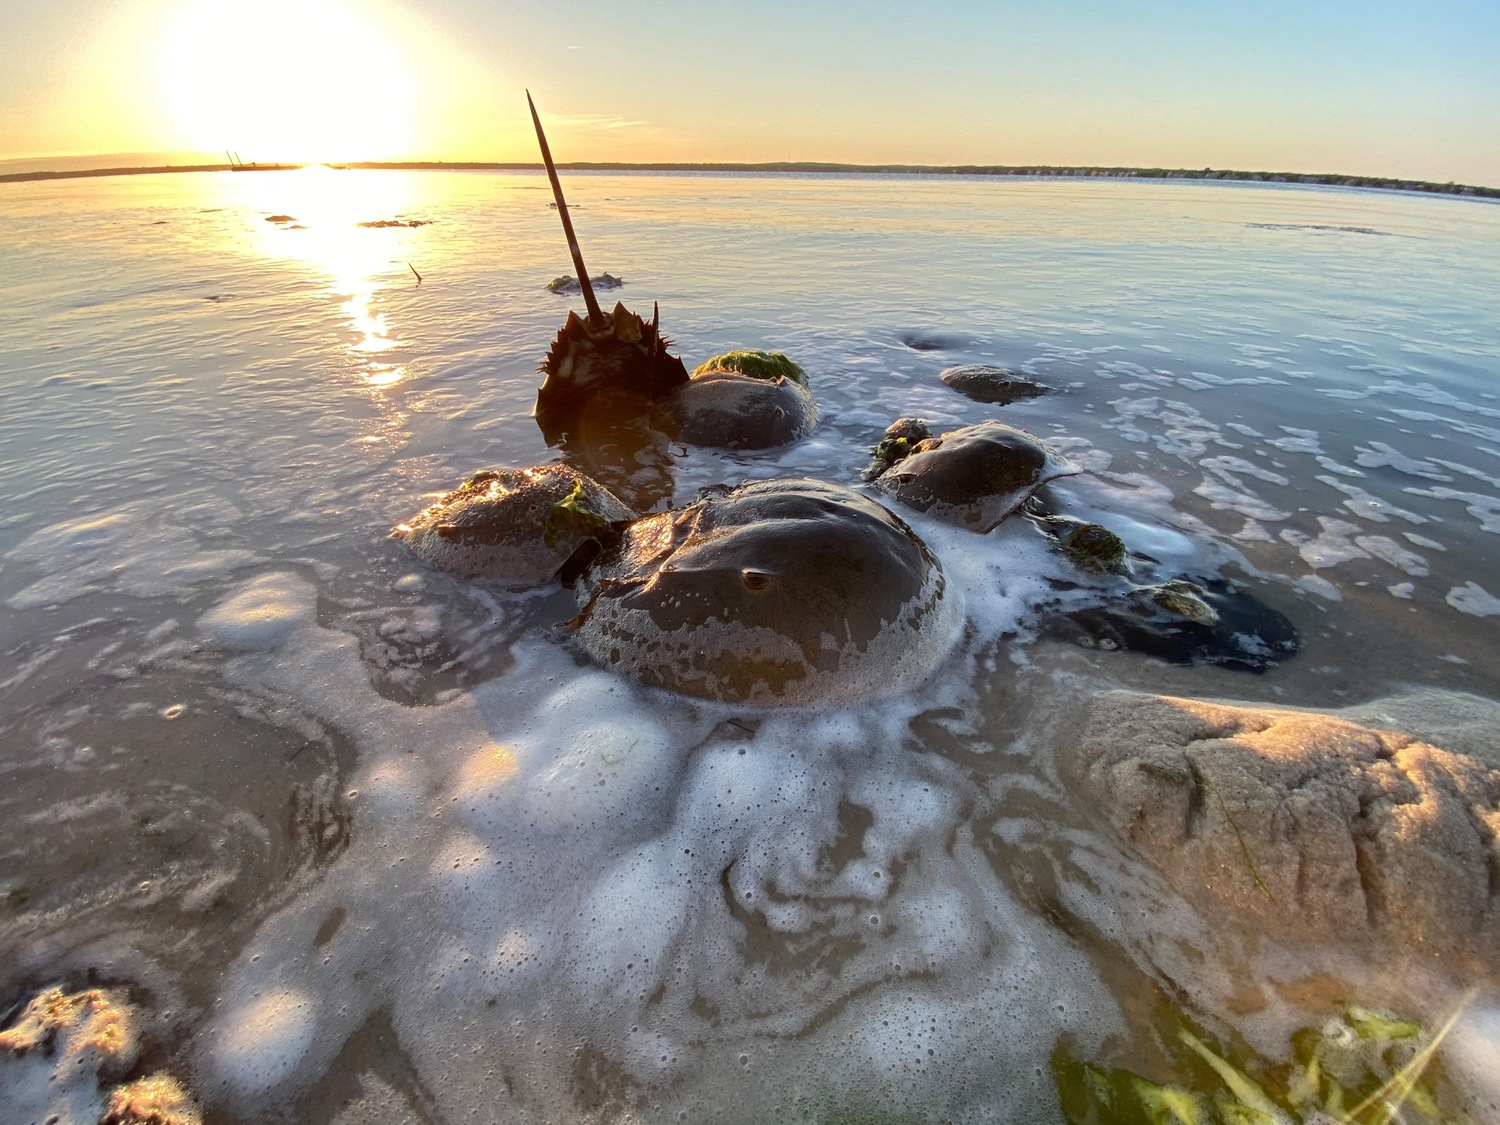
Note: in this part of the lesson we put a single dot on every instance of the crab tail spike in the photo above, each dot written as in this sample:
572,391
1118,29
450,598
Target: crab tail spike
655,321
596,318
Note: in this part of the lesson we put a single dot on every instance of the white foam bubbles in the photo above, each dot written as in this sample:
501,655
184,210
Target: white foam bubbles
261,1044
261,613
1473,599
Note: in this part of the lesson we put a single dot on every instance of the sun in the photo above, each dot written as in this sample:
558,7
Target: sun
285,80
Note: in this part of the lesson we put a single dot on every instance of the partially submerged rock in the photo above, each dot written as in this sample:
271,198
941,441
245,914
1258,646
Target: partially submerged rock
775,592
742,400
518,527
975,476
1376,824
983,383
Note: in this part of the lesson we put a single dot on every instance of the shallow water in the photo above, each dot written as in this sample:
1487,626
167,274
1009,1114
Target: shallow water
371,845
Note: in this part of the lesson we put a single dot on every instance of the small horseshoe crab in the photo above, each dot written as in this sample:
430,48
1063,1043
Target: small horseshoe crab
516,527
975,476
788,592
1179,620
606,369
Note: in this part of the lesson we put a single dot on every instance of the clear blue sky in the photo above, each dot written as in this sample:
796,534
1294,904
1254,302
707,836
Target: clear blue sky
1404,89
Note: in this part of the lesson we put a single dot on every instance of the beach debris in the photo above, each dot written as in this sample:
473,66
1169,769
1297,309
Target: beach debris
1359,1067
786,592
414,272
567,283
975,476
515,527
983,383
1373,829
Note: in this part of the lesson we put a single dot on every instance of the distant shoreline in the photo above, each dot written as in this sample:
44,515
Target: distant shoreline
802,167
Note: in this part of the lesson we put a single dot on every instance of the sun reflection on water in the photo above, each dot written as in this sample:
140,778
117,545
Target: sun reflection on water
312,216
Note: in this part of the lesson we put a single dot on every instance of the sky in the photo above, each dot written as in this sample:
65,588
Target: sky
1405,89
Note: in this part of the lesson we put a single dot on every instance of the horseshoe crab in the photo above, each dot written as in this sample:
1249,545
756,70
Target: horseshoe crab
1180,620
517,527
604,370
775,592
742,400
975,476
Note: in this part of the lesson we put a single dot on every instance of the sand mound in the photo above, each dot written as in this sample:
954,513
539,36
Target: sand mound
1376,824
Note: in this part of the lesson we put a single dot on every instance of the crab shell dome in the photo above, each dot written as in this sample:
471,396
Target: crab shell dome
789,592
975,476
516,527
729,410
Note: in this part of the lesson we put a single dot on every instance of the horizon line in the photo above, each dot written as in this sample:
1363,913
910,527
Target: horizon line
1065,171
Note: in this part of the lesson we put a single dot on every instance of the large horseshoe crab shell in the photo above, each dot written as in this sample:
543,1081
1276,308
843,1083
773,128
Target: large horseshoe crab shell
776,592
742,400
975,476
516,527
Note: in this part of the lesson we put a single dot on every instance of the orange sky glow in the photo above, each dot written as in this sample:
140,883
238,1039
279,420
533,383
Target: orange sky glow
1356,89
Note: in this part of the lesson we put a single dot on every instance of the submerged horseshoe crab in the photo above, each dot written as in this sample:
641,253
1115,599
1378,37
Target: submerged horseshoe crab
606,368
775,592
516,527
975,476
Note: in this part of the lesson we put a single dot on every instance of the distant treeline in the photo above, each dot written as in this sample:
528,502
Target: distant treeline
793,167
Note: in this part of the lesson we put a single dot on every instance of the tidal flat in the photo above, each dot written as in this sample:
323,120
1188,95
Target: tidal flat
361,841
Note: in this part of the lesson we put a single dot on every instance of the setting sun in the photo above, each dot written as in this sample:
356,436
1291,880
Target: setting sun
285,81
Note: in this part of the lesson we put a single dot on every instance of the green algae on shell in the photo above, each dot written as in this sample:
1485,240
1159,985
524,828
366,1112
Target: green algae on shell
975,476
756,364
742,400
790,592
517,527
896,444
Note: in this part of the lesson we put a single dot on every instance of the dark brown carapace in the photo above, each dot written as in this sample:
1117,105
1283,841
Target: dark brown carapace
623,359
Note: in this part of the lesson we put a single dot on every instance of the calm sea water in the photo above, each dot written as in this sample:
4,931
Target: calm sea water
370,845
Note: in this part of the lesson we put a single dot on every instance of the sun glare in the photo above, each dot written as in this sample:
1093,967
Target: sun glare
285,80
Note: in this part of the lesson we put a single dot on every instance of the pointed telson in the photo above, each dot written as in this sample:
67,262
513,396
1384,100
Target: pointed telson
596,317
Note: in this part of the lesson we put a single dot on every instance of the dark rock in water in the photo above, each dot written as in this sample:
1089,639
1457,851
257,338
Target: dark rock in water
280,219
776,592
901,437
617,366
518,527
569,284
975,476
382,224
1186,623
742,400
992,384
923,341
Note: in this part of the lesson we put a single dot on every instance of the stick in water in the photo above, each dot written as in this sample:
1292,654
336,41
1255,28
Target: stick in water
596,318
